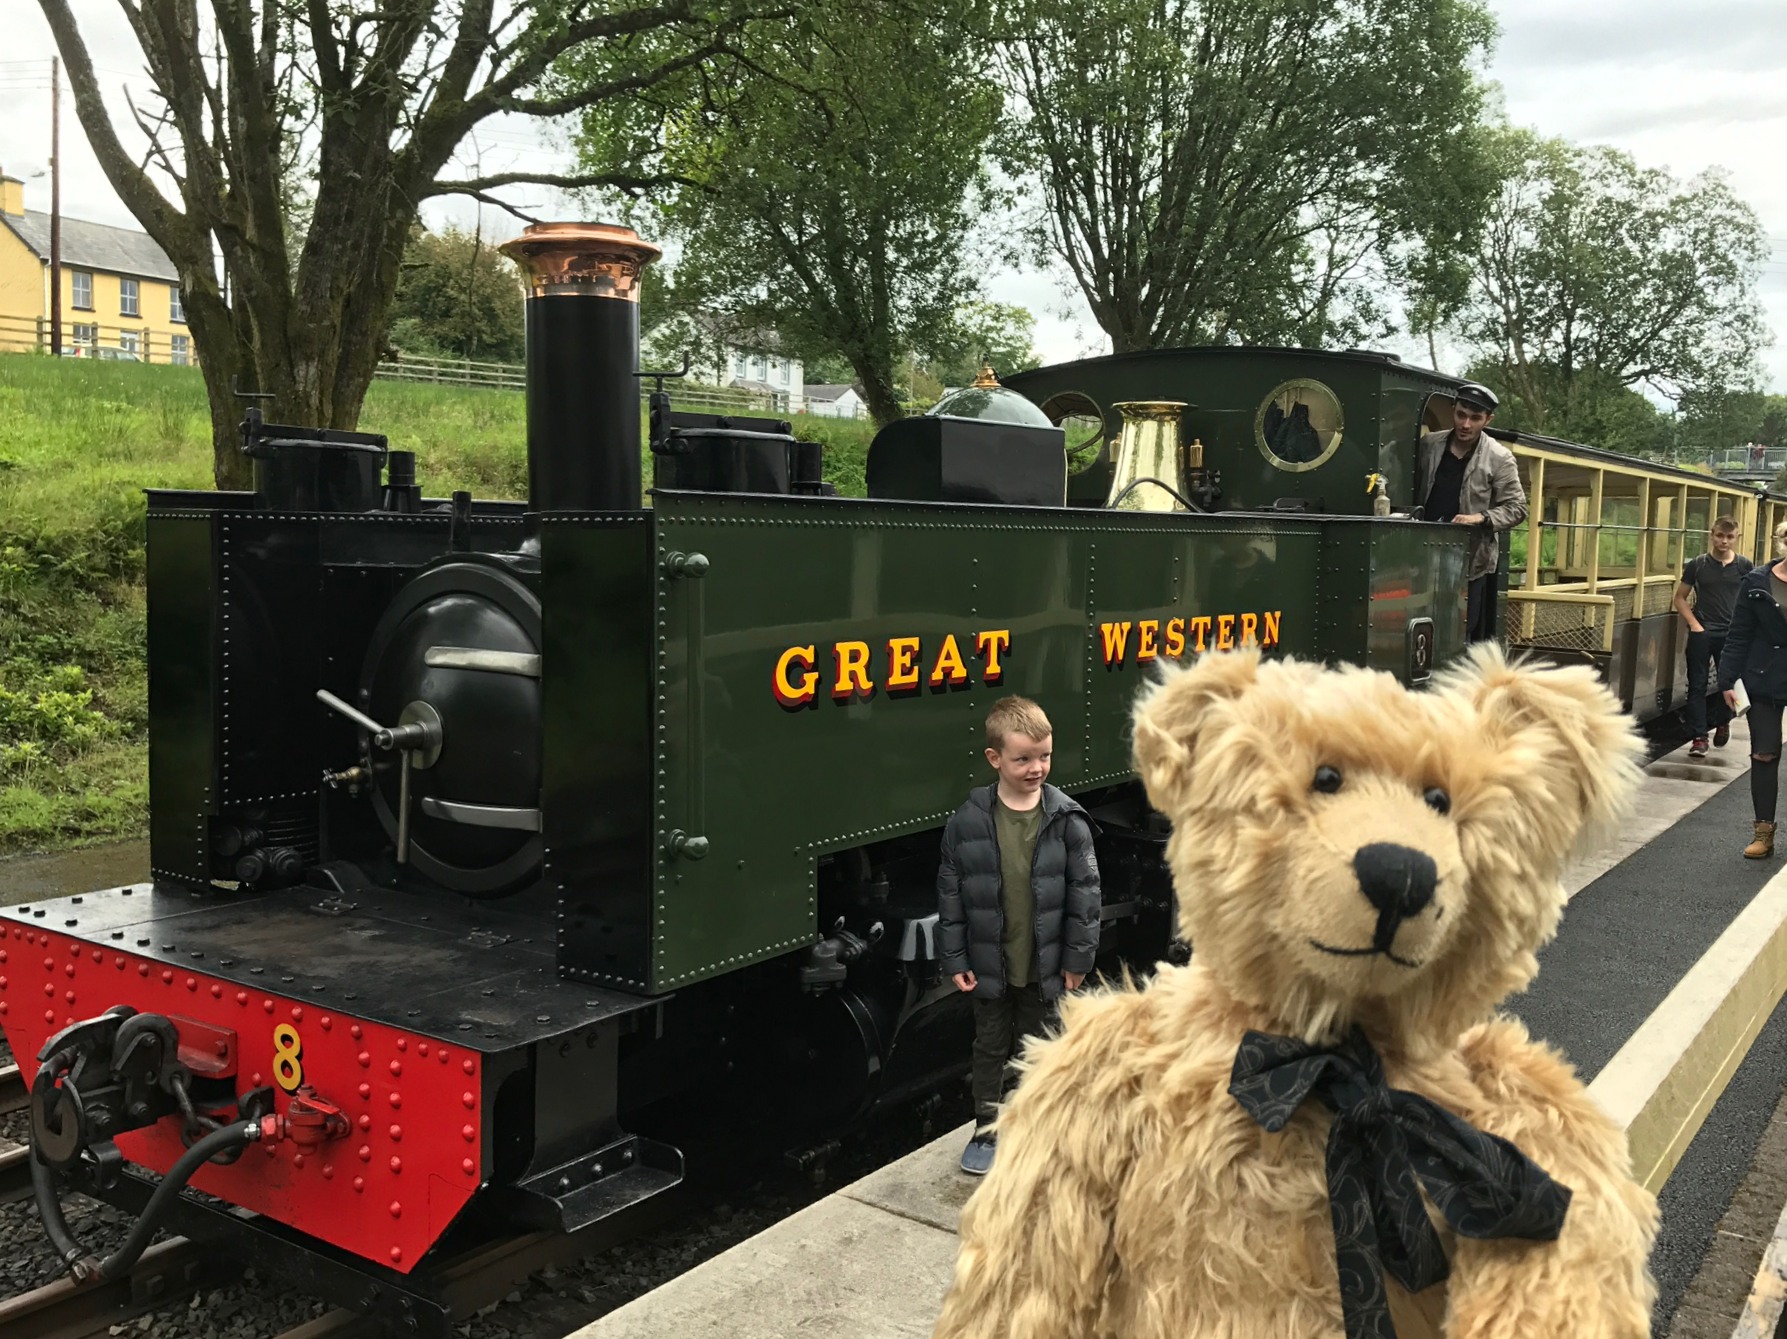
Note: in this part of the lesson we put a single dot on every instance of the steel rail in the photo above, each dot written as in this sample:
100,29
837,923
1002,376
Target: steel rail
173,1270
14,1096
166,1273
15,1174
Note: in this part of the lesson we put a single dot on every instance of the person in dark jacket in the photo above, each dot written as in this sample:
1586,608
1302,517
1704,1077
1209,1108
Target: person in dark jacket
1756,652
1017,903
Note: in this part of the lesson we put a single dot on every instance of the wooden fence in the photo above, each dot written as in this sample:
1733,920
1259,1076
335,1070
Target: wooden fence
513,376
85,339
94,339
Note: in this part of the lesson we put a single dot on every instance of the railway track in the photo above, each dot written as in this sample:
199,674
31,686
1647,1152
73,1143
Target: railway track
168,1272
13,1093
171,1271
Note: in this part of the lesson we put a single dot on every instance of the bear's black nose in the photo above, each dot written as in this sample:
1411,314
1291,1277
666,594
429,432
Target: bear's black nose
1398,880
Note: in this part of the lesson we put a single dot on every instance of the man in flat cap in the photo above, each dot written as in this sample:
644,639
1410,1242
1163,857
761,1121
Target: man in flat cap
1466,477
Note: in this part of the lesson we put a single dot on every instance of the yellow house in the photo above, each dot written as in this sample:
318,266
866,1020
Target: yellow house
120,292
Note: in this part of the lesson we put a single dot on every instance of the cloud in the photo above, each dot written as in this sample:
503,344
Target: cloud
1607,43
1720,111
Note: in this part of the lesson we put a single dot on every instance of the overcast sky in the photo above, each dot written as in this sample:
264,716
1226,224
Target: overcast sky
1677,86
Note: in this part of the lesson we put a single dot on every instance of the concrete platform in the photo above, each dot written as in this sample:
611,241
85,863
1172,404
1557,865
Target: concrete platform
869,1262
872,1261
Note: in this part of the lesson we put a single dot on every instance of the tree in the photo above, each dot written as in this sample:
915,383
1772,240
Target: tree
1223,170
1772,431
1597,274
830,197
996,334
295,143
1714,421
1604,414
457,296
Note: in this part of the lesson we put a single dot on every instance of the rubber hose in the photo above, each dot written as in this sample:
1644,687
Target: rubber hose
43,1180
242,1132
56,1226
49,1208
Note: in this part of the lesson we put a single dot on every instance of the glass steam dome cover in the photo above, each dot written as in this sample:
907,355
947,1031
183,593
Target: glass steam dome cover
987,400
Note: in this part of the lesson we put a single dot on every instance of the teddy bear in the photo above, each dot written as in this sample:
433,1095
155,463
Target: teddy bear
1322,1126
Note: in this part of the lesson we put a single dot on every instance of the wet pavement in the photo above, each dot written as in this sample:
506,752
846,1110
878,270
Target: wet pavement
31,878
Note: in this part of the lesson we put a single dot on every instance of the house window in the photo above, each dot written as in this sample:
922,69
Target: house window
180,349
176,310
762,370
782,373
739,368
86,335
127,297
130,341
82,283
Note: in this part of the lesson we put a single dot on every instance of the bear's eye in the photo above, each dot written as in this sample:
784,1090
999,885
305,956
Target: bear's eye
1437,800
1327,780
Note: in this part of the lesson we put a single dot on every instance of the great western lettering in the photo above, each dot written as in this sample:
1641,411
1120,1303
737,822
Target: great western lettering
855,670
1137,641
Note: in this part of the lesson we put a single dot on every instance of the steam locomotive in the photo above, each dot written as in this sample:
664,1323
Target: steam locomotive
487,836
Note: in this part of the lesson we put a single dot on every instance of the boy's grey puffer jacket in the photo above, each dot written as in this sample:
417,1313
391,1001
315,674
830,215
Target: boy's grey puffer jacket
1064,875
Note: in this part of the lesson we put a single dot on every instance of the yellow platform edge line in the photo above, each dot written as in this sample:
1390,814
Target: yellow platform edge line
1673,1069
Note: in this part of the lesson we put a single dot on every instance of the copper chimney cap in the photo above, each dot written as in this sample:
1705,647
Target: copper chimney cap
598,260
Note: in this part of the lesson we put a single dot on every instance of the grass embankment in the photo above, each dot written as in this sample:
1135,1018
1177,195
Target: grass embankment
79,442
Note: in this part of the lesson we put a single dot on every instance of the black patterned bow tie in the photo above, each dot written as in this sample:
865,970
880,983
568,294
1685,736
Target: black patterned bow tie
1382,1141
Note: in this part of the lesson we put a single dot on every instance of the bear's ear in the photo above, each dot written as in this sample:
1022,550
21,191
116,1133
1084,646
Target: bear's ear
1171,713
1580,739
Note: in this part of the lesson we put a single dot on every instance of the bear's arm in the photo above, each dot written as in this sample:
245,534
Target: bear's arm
1035,1254
1593,1282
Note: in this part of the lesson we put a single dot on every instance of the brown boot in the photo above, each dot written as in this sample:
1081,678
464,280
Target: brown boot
1764,844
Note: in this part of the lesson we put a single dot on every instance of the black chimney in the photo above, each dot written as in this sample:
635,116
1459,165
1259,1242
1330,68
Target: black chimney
582,350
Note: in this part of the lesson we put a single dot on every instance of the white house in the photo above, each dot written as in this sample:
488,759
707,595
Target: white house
834,402
723,357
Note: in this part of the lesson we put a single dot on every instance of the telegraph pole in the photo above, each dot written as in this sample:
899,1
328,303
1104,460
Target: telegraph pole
56,206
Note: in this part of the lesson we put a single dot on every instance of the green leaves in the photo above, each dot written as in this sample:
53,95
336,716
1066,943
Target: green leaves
1253,170
1596,275
457,297
828,176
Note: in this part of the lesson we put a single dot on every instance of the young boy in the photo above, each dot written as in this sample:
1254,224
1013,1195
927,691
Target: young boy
1018,902
1713,577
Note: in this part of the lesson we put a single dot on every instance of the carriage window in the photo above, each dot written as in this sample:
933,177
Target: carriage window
1298,425
1080,418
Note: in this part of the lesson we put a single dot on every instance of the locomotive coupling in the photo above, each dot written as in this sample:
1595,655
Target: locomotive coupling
103,1077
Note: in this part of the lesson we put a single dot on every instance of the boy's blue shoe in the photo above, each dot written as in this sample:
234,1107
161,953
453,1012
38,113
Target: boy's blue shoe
977,1158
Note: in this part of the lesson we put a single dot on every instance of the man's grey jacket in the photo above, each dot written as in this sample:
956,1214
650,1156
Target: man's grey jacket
1491,489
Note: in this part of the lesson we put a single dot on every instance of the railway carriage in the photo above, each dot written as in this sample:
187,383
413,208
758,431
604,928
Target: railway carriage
494,843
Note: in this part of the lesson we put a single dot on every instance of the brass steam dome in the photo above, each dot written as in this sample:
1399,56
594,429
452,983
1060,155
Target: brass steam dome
990,402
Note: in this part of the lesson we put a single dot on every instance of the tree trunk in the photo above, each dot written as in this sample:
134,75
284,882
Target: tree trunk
878,390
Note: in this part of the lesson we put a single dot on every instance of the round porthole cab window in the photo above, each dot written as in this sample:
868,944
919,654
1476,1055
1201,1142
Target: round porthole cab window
1298,426
1079,417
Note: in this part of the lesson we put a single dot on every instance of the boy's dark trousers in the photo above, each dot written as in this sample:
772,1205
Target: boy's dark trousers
1704,648
1000,1027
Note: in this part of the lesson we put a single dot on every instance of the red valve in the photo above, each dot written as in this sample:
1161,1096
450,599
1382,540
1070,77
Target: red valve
308,1121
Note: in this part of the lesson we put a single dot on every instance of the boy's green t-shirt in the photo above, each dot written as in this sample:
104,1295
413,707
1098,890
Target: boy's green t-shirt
1017,830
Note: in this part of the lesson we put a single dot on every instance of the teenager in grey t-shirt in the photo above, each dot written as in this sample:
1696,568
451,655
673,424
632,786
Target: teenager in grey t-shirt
1712,577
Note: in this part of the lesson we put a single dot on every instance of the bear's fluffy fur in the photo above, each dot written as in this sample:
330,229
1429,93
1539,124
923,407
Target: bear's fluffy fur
1132,1198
